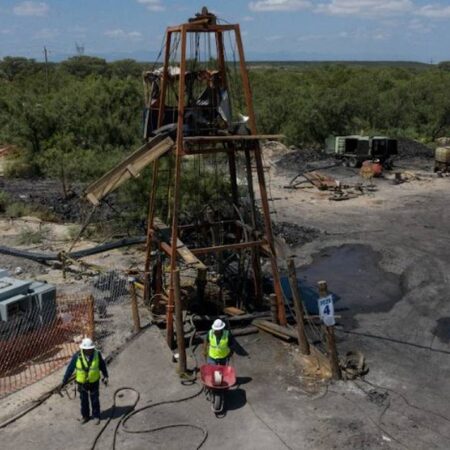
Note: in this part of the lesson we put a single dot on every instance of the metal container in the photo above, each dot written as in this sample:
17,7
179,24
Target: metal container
9,287
443,155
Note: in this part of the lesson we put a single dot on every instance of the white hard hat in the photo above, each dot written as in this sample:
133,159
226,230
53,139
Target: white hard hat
218,325
87,344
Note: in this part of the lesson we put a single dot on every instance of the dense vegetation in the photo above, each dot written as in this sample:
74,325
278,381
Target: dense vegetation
75,119
308,105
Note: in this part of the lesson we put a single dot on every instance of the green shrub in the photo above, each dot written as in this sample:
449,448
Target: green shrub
29,236
4,200
18,209
19,168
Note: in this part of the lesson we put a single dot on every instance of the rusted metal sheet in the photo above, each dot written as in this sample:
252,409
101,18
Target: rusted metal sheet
320,180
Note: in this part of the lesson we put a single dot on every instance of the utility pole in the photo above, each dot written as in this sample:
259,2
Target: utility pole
46,68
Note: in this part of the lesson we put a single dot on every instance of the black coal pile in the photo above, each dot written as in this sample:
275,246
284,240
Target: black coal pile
304,159
295,234
47,195
408,148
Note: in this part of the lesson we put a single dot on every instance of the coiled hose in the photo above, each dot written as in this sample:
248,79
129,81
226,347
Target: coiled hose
122,423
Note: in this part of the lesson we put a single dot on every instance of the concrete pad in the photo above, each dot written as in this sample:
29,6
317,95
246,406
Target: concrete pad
146,366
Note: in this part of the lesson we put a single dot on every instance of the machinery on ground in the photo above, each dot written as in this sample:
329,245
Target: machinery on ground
356,149
25,305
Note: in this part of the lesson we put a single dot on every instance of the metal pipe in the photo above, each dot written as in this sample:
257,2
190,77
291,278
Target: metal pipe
179,323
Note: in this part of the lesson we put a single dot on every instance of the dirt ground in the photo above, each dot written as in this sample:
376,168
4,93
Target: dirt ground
385,255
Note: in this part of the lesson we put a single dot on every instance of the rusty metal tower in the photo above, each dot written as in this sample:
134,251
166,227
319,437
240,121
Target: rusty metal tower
205,126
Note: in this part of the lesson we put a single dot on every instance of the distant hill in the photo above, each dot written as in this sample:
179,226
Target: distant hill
314,64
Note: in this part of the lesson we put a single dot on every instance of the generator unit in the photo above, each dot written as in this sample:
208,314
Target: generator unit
356,149
25,305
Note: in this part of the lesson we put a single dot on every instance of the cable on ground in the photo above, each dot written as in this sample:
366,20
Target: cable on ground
121,425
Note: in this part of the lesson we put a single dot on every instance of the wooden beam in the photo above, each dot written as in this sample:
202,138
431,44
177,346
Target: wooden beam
182,251
298,308
128,168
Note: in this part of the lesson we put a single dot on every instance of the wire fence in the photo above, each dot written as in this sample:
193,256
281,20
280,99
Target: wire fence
36,342
40,337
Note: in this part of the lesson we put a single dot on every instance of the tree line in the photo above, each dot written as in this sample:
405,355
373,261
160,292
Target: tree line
75,119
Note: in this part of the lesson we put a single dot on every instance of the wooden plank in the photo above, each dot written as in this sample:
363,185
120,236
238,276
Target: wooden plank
233,311
183,252
276,329
128,168
273,328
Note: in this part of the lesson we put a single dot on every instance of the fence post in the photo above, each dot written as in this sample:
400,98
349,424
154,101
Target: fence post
179,323
331,340
274,308
91,317
134,306
298,307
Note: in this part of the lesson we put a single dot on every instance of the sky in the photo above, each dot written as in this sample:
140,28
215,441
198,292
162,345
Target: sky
417,30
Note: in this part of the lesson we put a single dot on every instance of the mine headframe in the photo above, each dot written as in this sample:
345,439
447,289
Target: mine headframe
201,137
202,99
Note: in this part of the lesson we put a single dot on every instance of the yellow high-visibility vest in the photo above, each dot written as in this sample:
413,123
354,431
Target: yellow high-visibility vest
86,373
221,349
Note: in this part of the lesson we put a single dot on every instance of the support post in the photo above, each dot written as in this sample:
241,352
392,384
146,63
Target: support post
256,262
299,310
152,199
179,323
233,176
331,340
273,308
134,307
261,180
91,317
177,187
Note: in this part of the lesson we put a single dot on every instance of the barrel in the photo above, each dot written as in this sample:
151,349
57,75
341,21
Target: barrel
443,155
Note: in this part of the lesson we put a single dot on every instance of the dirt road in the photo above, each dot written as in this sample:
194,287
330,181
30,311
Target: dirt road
386,256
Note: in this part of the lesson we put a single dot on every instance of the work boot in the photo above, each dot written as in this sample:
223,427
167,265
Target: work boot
84,420
96,421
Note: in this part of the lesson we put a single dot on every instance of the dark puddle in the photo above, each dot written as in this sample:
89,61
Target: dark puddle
354,277
442,330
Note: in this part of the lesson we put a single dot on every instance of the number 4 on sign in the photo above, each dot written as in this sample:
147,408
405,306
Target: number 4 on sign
326,310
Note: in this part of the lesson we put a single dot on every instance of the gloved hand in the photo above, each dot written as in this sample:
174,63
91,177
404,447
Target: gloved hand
105,381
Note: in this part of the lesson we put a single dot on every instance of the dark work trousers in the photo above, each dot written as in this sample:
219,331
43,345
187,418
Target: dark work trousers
89,390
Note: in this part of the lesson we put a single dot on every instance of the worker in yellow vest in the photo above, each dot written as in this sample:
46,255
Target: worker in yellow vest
88,363
219,344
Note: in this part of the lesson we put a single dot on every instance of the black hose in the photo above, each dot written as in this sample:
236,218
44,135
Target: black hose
121,424
44,257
